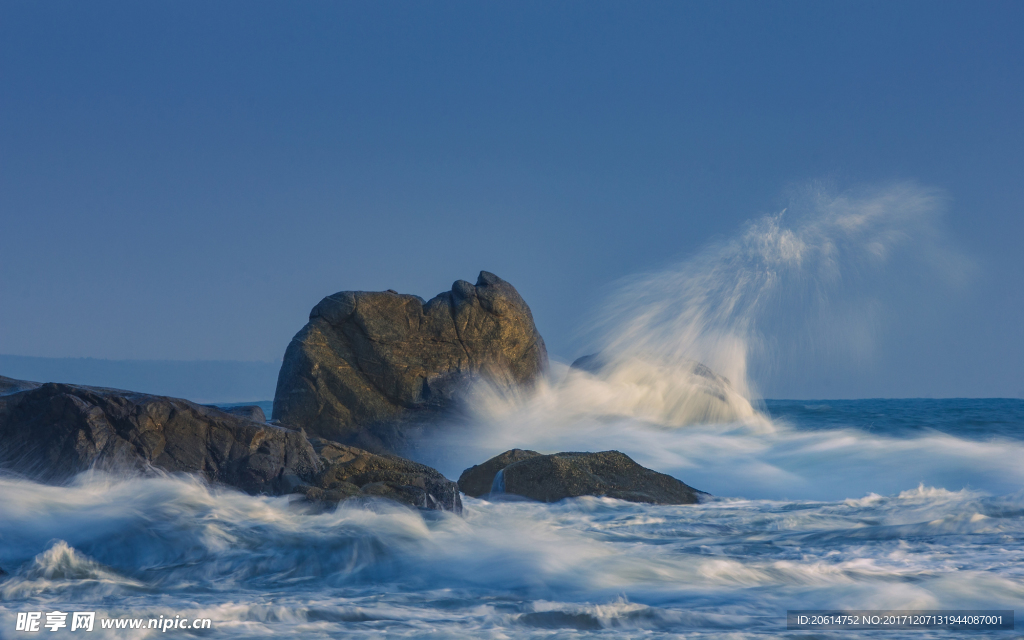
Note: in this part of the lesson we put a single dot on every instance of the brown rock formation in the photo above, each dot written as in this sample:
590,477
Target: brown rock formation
368,361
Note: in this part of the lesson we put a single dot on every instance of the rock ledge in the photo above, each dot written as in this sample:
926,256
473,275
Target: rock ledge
53,431
549,478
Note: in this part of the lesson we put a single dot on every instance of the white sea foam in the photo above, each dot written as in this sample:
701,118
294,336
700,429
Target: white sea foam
813,515
589,564
799,281
802,280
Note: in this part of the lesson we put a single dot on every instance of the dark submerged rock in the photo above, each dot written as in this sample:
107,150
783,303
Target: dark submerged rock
561,620
477,480
590,363
369,363
549,478
52,431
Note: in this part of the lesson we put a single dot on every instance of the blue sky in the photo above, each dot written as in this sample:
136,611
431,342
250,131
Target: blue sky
185,180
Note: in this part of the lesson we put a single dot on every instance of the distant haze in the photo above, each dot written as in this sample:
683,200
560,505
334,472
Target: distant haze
200,381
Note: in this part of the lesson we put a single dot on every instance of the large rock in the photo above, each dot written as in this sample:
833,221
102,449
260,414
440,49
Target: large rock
478,479
56,430
549,478
52,431
368,361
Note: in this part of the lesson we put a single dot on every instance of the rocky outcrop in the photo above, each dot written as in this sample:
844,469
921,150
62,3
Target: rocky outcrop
549,478
478,479
10,385
57,430
368,361
52,431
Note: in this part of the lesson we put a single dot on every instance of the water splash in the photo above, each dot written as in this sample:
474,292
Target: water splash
589,565
690,344
801,280
683,352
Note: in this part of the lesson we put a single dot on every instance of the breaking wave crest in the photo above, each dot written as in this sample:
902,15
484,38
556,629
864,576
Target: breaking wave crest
257,567
816,504
692,344
679,356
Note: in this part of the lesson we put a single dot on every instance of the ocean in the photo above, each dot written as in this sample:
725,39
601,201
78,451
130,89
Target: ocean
826,504
831,504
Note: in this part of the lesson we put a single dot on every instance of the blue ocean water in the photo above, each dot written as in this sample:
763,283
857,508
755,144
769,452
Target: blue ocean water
975,418
851,504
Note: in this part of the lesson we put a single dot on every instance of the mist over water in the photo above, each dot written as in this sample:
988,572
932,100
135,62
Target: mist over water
807,281
260,567
683,351
889,504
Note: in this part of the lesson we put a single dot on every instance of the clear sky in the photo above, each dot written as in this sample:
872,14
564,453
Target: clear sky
185,180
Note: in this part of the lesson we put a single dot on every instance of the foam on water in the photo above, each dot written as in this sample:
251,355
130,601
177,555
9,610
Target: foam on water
850,504
671,383
761,458
508,569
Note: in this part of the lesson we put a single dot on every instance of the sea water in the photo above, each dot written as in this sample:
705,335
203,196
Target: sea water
827,504
864,504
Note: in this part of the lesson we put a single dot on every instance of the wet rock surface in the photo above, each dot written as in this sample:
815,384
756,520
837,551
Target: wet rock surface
549,478
52,431
369,363
349,471
56,430
478,479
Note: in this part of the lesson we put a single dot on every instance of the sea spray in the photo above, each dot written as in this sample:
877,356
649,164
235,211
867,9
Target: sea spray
691,344
859,504
515,569
806,273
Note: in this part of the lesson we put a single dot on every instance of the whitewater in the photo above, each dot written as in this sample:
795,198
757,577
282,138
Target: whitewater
824,504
